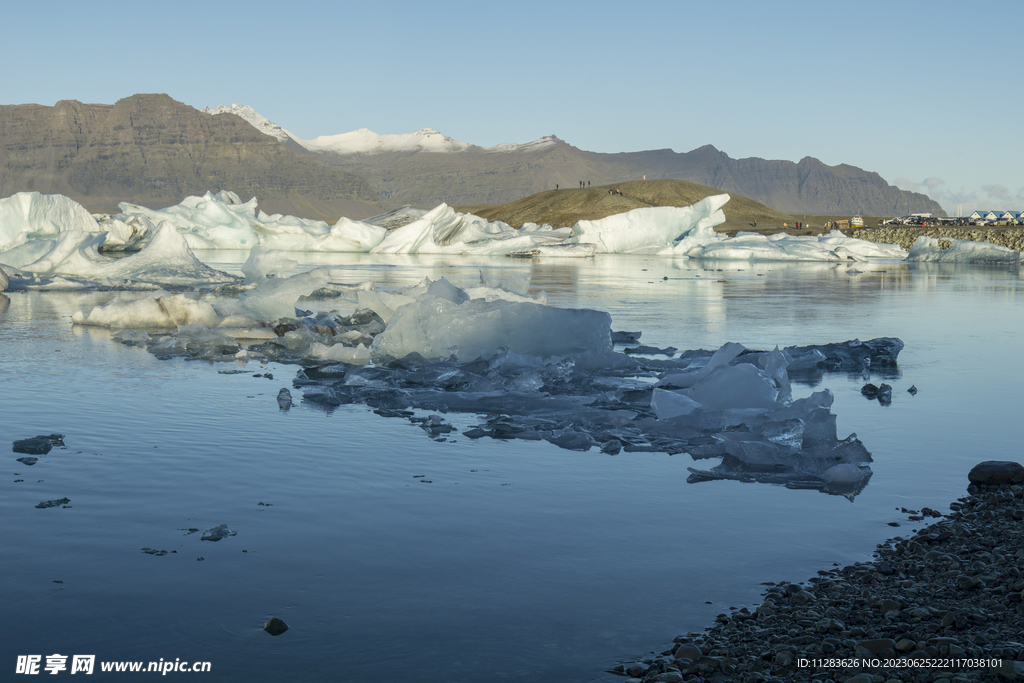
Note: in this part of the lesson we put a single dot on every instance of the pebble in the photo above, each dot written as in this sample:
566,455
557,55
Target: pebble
954,589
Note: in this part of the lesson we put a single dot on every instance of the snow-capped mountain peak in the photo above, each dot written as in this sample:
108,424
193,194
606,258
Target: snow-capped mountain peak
365,141
255,119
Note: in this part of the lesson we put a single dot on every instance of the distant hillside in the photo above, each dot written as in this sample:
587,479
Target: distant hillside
502,174
152,150
564,207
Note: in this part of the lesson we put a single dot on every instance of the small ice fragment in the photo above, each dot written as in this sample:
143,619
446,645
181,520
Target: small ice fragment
668,404
217,533
844,473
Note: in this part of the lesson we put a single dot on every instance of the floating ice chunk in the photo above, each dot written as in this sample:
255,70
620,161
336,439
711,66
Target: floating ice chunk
696,372
349,235
861,249
775,364
196,341
131,337
159,309
960,251
444,230
669,404
439,328
220,221
649,229
382,303
264,263
30,215
845,473
442,289
166,260
517,282
26,253
124,232
276,298
749,246
736,386
339,352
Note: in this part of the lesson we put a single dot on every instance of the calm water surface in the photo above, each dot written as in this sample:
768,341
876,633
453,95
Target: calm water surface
519,561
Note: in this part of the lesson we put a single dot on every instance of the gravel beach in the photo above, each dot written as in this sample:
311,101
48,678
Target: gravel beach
941,604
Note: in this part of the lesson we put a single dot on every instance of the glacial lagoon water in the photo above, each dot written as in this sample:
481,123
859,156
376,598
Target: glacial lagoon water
393,557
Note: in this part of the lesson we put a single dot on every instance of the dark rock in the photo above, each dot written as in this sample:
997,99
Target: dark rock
38,445
997,472
284,399
275,626
688,651
52,503
28,460
912,390
869,390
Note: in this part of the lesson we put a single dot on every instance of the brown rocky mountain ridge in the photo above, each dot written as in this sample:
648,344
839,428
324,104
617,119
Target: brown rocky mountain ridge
154,151
480,176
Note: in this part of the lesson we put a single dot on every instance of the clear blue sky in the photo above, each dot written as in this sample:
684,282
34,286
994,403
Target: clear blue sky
927,94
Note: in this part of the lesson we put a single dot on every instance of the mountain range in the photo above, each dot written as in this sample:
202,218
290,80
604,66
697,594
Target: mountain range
426,167
150,149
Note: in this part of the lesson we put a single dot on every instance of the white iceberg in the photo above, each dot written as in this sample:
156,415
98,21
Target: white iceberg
649,230
166,260
224,221
157,310
748,246
960,251
30,215
444,322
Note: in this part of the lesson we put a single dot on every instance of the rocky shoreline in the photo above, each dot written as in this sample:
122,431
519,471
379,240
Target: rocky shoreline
1012,238
941,605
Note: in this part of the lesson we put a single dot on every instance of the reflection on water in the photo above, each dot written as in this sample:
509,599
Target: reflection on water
517,560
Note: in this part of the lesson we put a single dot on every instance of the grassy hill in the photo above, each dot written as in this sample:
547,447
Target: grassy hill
564,207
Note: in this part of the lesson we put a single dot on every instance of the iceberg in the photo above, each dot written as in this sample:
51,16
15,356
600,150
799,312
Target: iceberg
932,249
29,216
445,322
650,229
31,225
224,221
166,260
747,246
